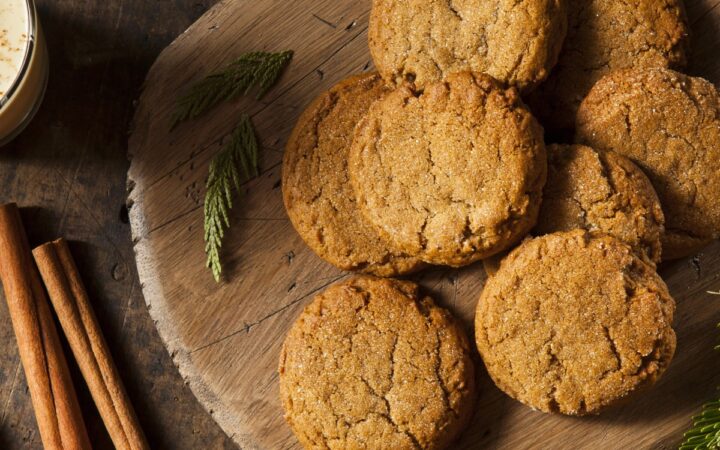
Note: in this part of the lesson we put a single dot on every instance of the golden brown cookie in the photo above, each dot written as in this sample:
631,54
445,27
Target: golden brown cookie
669,125
597,191
453,174
372,364
573,322
426,40
601,191
318,197
603,36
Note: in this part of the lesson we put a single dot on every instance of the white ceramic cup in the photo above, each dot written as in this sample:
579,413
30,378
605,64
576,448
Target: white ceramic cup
23,66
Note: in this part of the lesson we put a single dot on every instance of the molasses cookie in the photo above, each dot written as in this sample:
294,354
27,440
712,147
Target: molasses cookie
372,364
573,322
426,40
603,36
602,192
453,174
669,125
316,190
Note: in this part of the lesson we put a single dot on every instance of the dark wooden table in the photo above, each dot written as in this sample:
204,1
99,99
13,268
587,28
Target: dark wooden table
68,172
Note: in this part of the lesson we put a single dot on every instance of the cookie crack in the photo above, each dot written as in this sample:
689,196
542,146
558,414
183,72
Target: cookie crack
556,367
523,54
454,10
422,239
438,375
400,428
333,99
613,350
414,439
392,366
445,398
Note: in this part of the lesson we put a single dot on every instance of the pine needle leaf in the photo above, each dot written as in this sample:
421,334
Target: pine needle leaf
224,181
705,431
254,70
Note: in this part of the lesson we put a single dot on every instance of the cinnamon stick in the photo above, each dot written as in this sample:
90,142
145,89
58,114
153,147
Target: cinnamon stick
53,396
77,319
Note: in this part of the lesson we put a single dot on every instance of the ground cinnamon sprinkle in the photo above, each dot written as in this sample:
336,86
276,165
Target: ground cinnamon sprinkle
13,40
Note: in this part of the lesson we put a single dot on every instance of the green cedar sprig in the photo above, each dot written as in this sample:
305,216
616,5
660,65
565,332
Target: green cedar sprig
254,70
705,431
236,163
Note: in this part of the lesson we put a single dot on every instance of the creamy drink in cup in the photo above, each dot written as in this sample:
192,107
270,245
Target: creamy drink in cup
23,66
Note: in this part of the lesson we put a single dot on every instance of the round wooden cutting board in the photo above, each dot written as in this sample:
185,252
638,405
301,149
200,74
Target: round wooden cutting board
225,338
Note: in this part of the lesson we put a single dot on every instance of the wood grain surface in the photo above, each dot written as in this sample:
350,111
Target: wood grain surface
68,172
226,338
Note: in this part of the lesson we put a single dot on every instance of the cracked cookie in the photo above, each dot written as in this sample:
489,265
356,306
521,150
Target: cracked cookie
598,191
601,191
372,364
317,194
607,35
669,125
426,40
453,174
574,322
